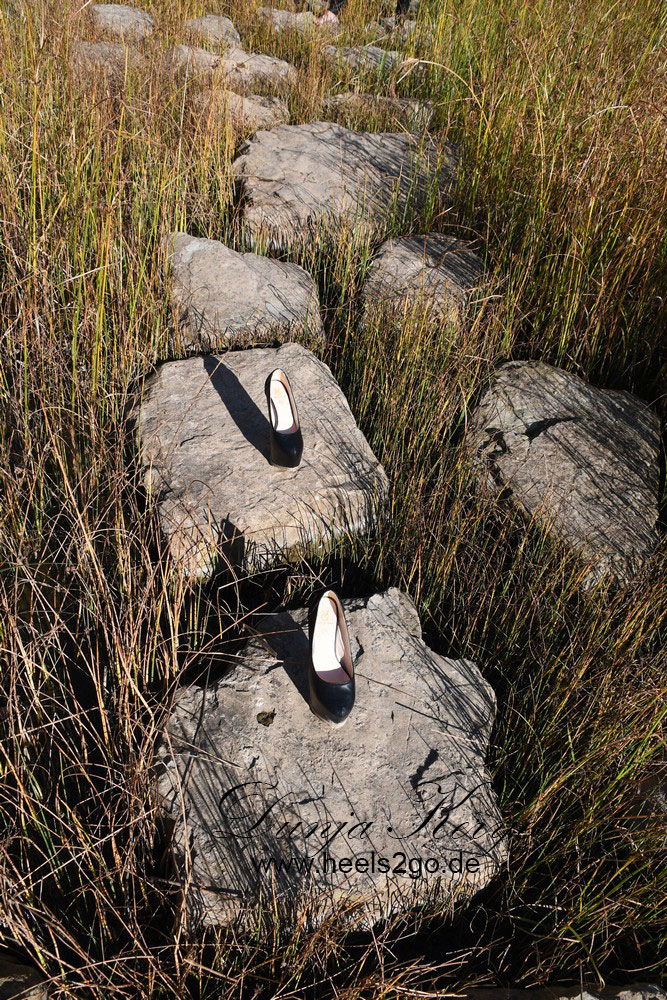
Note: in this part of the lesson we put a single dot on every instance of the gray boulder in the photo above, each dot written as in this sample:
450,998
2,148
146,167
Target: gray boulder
237,69
367,59
248,113
123,22
396,111
190,61
436,273
298,179
204,447
584,460
228,299
111,61
303,22
214,28
250,776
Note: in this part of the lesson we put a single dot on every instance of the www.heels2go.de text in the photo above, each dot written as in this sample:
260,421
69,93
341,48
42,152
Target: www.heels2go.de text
398,864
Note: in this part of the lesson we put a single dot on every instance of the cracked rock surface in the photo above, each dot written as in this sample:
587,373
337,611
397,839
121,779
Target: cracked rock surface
204,446
248,773
229,299
214,28
248,113
583,459
122,21
238,69
437,272
298,178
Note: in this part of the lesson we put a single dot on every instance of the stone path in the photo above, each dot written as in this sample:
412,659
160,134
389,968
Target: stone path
231,68
204,440
584,460
298,178
437,273
247,773
228,299
257,776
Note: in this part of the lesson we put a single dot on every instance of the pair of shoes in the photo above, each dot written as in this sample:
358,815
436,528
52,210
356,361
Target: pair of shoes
286,439
330,670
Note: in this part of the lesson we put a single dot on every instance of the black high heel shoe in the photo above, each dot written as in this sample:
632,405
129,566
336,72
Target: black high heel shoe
330,671
286,439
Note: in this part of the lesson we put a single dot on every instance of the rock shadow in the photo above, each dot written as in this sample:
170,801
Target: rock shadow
245,413
288,641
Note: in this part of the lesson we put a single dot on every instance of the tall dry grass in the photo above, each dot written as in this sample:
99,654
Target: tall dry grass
560,110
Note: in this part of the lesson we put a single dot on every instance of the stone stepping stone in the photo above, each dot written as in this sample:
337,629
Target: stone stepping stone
298,178
303,22
435,272
400,111
123,22
248,113
369,59
583,460
238,69
109,60
214,28
229,299
250,774
204,446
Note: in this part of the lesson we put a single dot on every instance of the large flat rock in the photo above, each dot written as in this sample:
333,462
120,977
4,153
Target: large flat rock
250,775
228,299
297,179
437,273
234,67
204,445
583,459
121,21
214,28
248,113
